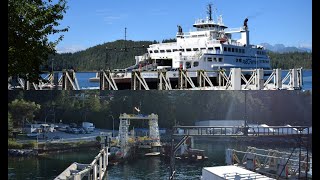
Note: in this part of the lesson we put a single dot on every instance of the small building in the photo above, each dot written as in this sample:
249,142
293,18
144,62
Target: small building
35,128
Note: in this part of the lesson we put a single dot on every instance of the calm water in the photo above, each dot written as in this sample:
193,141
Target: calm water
49,167
84,83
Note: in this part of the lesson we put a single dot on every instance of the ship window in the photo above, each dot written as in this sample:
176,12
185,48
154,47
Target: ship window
168,50
243,51
188,65
215,59
209,59
150,51
202,48
236,49
232,49
210,48
195,49
182,50
220,59
156,51
174,50
224,49
162,51
188,49
195,64
229,49
240,60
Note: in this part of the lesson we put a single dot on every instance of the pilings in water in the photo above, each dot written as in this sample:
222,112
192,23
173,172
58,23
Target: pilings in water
106,81
137,81
164,81
235,79
69,80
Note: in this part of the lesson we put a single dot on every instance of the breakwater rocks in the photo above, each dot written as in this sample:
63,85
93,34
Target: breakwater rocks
22,152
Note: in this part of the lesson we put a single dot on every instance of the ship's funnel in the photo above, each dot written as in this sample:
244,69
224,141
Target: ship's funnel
244,38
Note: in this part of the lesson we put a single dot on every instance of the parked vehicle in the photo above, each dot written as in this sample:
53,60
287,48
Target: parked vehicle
88,127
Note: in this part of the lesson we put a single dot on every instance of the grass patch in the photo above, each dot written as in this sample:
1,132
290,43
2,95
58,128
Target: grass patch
12,144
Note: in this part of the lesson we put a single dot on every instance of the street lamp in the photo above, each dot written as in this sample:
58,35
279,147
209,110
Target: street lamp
112,125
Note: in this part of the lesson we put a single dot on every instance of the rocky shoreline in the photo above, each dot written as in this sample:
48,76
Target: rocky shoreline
52,148
22,152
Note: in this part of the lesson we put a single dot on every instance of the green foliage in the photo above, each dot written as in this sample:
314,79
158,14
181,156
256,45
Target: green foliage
29,25
291,60
10,124
12,144
97,57
29,145
93,103
21,109
98,138
81,142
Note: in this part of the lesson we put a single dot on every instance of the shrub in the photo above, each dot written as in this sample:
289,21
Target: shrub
14,144
98,138
30,145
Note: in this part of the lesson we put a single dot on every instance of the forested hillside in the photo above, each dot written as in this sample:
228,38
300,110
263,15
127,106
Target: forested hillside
121,53
173,107
291,60
117,54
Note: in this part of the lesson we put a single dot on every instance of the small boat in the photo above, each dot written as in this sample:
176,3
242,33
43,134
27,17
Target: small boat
153,154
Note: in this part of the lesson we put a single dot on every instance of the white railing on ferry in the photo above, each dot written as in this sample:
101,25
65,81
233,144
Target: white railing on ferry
229,30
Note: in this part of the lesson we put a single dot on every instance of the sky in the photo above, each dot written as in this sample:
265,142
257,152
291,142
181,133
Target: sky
94,22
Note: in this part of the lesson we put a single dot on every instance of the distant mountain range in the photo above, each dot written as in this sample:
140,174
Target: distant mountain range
283,49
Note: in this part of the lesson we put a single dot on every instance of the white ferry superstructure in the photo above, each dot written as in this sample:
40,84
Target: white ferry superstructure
209,47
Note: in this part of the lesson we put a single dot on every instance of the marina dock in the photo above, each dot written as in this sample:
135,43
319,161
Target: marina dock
94,171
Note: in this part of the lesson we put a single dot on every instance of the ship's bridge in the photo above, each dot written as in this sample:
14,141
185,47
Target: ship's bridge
209,24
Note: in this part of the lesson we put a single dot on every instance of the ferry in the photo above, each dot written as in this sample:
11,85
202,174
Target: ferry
209,47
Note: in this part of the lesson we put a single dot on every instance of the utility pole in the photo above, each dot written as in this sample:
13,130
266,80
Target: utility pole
112,125
246,128
256,62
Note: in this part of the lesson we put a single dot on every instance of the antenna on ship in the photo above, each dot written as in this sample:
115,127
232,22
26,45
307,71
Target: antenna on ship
209,11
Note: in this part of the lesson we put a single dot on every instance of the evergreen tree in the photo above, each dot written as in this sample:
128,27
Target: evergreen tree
30,22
